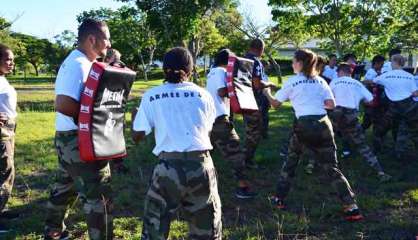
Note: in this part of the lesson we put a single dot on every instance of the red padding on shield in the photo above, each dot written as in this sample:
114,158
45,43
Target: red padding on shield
85,137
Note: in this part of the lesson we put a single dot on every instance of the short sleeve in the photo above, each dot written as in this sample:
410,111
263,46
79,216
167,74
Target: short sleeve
283,94
211,110
415,86
70,81
219,80
370,75
143,120
379,79
366,94
327,93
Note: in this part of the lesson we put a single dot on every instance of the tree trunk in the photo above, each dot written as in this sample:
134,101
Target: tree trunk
194,48
410,59
36,68
144,68
204,65
276,67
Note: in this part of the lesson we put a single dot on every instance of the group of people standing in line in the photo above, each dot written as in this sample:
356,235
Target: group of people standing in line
193,121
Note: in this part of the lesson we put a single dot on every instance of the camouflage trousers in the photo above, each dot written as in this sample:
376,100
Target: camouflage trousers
346,121
7,169
183,182
401,111
402,139
90,182
226,140
264,107
253,132
316,134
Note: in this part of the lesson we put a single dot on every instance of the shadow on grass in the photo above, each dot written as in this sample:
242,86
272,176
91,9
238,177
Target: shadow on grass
314,213
36,106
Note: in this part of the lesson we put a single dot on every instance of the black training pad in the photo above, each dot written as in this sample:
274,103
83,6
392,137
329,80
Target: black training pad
112,80
243,69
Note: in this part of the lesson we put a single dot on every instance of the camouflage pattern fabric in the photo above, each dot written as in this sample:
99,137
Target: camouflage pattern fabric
403,145
90,182
346,121
253,133
264,106
315,133
183,182
226,140
401,111
7,169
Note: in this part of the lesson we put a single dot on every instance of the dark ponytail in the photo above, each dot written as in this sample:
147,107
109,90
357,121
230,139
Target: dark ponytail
177,65
308,60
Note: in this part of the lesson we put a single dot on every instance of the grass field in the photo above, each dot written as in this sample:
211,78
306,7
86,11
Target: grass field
390,209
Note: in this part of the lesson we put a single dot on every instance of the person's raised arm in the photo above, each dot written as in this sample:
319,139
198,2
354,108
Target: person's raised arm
223,92
274,102
137,136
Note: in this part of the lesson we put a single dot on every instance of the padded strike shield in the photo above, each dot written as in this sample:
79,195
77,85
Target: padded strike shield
239,85
102,112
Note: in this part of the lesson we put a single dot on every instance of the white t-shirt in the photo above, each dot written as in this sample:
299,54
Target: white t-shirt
387,66
307,96
329,72
370,74
398,84
8,98
349,92
70,81
181,115
216,80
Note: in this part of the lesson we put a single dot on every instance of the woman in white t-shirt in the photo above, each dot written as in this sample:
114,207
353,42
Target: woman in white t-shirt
310,96
7,128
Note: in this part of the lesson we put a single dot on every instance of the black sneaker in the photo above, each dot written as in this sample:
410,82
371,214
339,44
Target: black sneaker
9,215
3,229
277,202
245,193
346,153
65,235
283,151
251,164
353,215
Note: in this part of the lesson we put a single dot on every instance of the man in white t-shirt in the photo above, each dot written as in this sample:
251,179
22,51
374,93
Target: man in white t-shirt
400,88
223,134
387,66
330,70
181,114
90,181
374,111
348,94
8,114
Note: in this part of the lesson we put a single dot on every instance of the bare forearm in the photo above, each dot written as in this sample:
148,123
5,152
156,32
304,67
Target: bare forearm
329,104
272,100
67,106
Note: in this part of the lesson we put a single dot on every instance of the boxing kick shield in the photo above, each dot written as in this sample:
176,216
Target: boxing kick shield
239,85
102,112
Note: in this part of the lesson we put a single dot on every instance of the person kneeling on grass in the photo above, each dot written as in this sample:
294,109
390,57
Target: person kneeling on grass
348,94
182,115
309,96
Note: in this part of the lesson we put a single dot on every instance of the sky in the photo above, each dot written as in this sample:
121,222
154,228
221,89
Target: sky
47,18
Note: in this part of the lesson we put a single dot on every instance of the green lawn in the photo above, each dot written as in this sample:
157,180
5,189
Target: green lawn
390,209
